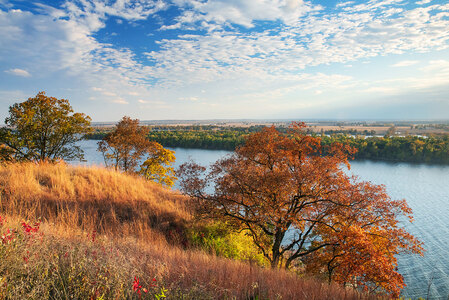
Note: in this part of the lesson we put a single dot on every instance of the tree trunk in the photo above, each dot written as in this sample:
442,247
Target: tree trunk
278,237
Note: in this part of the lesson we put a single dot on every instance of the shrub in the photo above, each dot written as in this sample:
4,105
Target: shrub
218,238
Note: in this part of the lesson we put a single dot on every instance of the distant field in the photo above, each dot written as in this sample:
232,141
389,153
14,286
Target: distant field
377,129
381,130
401,128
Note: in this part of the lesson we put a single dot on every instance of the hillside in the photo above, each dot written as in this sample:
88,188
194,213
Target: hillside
76,232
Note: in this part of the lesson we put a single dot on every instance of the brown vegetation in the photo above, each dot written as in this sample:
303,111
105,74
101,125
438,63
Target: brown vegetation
135,218
90,199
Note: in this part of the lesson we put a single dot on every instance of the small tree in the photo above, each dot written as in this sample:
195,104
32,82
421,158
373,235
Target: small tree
299,206
127,146
158,166
43,128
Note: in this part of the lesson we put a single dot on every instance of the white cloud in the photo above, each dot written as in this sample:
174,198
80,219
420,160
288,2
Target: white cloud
98,10
405,63
431,77
5,3
309,40
154,102
382,89
343,4
437,67
107,93
12,96
120,101
364,31
18,72
188,98
240,12
267,64
61,40
423,2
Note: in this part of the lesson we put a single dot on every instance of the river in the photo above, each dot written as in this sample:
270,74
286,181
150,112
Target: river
426,189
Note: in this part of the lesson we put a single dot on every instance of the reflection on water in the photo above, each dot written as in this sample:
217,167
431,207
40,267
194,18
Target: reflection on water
426,189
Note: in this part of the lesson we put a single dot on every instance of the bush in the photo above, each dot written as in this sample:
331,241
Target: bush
218,238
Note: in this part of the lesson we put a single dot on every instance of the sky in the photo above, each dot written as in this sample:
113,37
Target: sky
229,59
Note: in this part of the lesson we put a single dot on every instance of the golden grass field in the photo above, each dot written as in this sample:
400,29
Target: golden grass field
101,231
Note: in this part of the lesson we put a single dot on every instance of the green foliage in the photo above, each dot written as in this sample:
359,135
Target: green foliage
43,128
214,139
161,294
397,149
219,238
204,137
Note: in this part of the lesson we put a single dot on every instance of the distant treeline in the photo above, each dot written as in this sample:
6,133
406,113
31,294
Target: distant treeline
396,149
222,140
200,137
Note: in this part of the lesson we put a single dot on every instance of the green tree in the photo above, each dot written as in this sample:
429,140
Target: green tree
43,128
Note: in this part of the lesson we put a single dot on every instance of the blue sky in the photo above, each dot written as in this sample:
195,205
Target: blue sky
229,59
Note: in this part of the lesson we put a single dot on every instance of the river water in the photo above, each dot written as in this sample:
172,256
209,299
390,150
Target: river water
426,189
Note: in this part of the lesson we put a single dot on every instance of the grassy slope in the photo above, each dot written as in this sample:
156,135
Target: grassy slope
139,232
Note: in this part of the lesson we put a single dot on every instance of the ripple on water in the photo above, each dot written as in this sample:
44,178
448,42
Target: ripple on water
426,189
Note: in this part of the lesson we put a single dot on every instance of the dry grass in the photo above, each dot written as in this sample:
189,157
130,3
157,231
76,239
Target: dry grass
91,199
135,219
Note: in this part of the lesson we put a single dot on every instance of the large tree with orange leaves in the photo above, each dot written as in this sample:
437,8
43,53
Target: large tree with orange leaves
292,196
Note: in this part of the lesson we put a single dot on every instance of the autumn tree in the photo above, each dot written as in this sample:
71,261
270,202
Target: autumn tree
157,167
299,207
127,146
43,128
